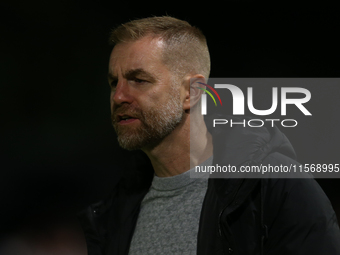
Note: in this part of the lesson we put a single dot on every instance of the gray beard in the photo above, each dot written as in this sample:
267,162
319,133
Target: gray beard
155,125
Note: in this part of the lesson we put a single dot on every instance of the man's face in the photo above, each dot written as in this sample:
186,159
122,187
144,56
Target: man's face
146,103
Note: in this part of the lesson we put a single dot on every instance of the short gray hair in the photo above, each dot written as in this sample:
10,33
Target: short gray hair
186,49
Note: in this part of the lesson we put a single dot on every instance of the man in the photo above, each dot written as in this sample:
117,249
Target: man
155,109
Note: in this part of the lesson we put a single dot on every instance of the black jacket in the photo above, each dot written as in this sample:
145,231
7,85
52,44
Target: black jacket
239,216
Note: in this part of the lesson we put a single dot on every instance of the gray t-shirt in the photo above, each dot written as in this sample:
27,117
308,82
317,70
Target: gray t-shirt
169,216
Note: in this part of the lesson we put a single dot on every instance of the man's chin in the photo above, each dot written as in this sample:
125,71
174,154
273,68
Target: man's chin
131,142
137,142
129,147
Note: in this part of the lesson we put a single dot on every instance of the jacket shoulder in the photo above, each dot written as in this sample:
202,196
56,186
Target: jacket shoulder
299,215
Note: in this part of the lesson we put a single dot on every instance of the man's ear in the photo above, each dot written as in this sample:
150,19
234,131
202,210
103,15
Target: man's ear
194,86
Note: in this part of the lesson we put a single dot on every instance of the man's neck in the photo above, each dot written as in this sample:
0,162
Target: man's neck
173,156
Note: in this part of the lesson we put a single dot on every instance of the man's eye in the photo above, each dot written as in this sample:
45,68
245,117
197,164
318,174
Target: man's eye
139,80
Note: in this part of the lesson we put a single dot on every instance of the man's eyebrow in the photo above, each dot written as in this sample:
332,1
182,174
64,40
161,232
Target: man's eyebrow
133,73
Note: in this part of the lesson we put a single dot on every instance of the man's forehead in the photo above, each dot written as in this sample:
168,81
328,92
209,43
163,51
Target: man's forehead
145,47
141,54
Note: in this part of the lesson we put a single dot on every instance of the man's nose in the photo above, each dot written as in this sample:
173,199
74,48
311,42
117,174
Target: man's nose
122,93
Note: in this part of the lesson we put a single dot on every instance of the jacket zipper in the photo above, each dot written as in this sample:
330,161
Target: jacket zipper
220,217
220,228
225,207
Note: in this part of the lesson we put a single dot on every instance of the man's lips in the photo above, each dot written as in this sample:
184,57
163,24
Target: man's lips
125,119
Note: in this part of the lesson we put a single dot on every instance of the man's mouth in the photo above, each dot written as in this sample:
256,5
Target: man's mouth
125,119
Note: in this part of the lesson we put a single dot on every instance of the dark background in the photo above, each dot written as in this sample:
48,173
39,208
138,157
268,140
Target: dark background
58,148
